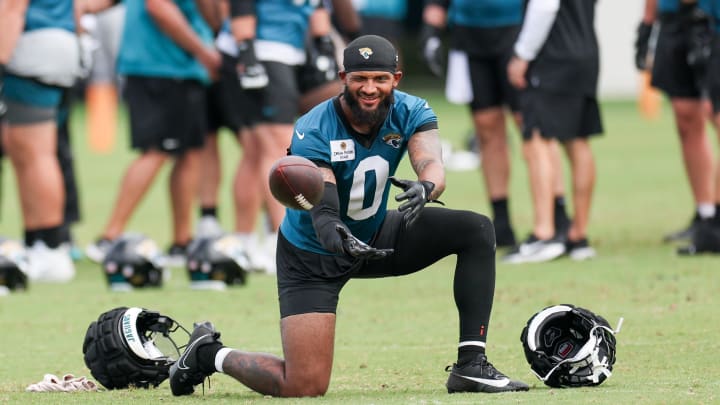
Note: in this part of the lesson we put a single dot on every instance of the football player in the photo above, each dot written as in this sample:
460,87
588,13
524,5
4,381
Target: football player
681,69
358,139
32,79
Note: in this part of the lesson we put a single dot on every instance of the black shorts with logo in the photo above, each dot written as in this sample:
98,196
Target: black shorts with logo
166,114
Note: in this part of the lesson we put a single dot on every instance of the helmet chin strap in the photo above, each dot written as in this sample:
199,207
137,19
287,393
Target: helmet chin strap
619,325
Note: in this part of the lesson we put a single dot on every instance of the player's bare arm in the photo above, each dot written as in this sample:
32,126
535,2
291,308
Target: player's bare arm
425,153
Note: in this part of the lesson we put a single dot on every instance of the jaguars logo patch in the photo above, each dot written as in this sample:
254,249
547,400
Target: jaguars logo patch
394,140
365,52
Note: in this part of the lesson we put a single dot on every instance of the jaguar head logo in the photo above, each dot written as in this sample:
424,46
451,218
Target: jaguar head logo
365,52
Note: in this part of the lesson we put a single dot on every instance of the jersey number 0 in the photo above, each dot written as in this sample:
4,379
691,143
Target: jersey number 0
378,167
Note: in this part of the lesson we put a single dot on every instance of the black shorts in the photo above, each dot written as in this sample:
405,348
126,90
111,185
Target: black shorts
166,114
560,116
488,51
310,282
490,84
228,105
671,72
281,97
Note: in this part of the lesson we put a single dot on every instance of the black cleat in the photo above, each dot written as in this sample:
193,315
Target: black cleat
705,239
579,250
186,373
685,234
479,375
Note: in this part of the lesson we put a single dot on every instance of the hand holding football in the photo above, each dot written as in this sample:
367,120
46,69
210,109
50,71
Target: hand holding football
296,182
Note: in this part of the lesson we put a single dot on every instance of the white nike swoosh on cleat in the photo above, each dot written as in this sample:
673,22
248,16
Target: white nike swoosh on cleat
181,362
495,383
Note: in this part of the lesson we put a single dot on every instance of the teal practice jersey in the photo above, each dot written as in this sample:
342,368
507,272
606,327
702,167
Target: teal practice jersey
324,136
50,14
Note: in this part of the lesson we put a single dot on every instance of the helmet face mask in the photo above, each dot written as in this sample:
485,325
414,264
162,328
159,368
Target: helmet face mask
131,347
144,332
568,346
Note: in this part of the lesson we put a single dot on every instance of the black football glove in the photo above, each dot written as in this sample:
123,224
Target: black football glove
359,249
3,107
417,194
641,45
322,58
251,72
431,49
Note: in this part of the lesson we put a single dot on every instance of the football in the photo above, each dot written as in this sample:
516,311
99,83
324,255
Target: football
296,182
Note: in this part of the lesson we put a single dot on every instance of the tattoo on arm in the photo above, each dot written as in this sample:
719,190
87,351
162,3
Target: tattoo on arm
425,149
425,153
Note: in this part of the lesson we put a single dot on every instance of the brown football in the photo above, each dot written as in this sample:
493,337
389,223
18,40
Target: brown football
296,182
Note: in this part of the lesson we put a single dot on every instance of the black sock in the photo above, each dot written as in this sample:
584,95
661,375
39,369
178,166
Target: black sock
30,237
474,284
52,236
467,354
206,356
500,209
208,212
562,222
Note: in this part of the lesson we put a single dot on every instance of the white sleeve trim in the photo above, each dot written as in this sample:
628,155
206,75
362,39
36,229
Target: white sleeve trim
539,18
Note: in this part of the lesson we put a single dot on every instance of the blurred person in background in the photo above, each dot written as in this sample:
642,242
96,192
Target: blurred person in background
556,66
39,57
482,34
680,69
167,59
274,42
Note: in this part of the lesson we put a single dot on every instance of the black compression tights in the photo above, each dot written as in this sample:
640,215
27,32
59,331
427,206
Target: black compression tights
437,233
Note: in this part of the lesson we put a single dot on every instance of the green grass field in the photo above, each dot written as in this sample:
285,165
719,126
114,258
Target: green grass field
395,336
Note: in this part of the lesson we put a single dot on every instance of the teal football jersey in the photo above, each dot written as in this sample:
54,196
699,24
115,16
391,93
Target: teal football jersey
361,171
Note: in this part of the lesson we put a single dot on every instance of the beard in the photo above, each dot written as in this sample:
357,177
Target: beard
374,117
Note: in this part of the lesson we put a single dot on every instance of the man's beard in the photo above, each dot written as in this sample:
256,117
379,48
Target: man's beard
372,117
